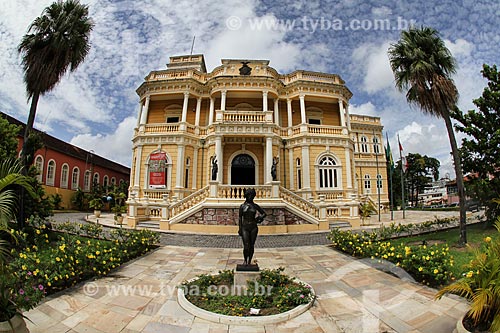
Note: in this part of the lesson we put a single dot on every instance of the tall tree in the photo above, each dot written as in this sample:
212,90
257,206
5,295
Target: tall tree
481,148
55,41
420,172
8,133
422,66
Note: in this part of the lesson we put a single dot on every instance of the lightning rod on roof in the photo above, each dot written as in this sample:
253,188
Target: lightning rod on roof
192,46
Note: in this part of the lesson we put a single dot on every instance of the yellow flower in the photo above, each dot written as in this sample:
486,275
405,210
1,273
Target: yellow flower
37,232
420,269
49,284
58,259
470,274
487,239
436,271
24,267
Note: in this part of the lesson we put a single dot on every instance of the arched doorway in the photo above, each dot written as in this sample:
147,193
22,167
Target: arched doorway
243,170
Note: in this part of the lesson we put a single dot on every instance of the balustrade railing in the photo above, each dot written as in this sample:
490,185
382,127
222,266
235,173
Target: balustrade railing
189,201
236,191
156,195
299,202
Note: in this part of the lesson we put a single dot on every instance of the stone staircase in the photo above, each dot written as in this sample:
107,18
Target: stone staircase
152,225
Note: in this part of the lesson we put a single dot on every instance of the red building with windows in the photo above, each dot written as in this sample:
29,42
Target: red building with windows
64,168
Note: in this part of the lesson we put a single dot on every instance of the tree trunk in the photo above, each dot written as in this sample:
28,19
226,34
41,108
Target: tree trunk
459,176
24,159
27,131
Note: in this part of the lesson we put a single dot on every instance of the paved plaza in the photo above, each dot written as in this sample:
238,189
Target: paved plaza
352,296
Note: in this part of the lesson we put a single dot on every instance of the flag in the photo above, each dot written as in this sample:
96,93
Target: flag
388,154
404,162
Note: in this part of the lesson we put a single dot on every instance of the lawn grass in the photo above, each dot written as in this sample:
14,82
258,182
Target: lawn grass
462,255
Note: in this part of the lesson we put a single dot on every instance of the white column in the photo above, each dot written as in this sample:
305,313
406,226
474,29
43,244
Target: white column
211,111
223,100
194,168
348,117
218,153
145,110
289,111
276,112
269,159
348,170
291,168
139,114
197,116
302,108
137,167
264,100
342,114
306,175
180,166
185,107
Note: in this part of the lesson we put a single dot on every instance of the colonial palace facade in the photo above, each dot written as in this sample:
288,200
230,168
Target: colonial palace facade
202,137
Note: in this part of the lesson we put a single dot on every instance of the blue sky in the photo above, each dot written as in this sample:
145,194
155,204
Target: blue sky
96,106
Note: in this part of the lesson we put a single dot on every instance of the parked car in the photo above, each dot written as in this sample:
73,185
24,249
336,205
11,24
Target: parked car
473,206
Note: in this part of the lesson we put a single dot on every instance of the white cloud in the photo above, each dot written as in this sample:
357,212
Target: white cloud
116,146
460,47
365,109
372,61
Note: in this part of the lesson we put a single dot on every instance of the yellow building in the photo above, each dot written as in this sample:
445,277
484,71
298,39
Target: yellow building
202,137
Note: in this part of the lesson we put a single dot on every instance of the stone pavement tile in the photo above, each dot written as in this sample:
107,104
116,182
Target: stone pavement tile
246,329
212,327
107,320
75,319
423,319
38,319
172,313
340,305
394,322
84,328
441,324
56,328
131,270
132,302
51,312
152,308
66,303
139,322
155,327
408,309
305,323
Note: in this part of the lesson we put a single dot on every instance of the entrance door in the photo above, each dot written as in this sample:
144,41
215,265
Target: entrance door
243,170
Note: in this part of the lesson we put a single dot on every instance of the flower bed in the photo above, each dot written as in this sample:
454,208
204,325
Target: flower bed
429,265
51,261
272,293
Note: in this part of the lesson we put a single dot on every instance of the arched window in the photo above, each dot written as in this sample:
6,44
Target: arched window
299,174
39,167
75,178
368,184
105,181
64,176
376,147
113,181
95,181
51,172
364,144
329,173
86,181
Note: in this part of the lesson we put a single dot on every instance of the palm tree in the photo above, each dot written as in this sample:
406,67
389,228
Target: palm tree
422,66
56,40
10,175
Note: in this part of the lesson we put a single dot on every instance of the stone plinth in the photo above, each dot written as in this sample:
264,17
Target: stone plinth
241,279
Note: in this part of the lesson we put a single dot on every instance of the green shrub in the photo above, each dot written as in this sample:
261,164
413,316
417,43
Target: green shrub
427,264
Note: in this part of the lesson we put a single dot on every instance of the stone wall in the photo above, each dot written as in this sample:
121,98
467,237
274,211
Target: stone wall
229,216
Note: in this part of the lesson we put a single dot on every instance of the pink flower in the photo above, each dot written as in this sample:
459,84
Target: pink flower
302,296
40,287
29,273
21,292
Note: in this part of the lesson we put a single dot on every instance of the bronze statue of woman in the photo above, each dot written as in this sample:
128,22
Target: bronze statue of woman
248,220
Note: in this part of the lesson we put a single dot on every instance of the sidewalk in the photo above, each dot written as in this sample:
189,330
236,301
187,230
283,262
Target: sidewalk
352,297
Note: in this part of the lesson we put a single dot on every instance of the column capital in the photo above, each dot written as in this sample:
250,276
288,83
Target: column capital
148,97
223,92
302,95
288,100
199,99
265,92
186,94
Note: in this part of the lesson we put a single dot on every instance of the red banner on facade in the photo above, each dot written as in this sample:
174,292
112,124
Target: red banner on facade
157,165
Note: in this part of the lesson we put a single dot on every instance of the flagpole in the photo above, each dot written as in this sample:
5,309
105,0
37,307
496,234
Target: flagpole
402,179
387,152
378,173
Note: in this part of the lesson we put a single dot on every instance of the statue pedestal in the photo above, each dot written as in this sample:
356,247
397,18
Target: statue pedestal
243,275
